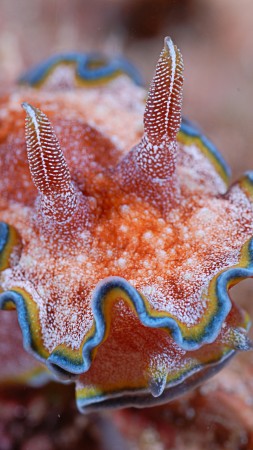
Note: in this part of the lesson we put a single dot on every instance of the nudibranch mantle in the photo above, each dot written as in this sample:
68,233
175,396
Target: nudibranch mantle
118,242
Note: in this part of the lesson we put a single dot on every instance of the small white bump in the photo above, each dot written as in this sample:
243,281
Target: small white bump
148,235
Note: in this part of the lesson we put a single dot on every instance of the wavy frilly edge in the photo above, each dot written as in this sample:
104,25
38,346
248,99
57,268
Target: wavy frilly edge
9,239
91,69
18,366
60,361
141,398
105,294
189,133
76,362
70,363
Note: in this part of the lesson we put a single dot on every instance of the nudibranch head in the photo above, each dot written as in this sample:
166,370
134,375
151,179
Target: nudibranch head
119,238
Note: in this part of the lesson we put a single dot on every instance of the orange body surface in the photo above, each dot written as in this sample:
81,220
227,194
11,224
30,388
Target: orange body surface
119,242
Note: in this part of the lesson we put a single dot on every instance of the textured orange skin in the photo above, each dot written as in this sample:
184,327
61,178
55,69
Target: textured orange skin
93,160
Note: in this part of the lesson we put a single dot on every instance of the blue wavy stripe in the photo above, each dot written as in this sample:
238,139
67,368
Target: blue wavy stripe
249,175
4,235
100,293
23,319
103,288
192,130
83,68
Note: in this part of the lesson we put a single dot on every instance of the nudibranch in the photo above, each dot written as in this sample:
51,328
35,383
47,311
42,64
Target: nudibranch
119,238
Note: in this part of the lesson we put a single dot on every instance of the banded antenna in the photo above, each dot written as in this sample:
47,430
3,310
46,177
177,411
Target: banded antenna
48,167
157,151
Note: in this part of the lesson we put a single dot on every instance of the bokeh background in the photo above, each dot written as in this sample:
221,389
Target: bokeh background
215,37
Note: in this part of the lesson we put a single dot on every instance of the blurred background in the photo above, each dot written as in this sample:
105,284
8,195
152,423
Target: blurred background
215,37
